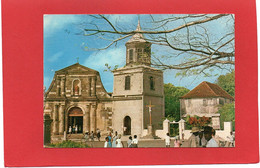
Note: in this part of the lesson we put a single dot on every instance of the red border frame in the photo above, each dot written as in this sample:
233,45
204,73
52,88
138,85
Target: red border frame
22,23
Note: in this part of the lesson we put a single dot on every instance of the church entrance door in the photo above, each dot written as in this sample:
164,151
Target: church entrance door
127,125
75,120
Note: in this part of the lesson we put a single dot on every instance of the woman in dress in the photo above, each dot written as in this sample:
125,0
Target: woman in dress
114,140
177,142
109,140
119,143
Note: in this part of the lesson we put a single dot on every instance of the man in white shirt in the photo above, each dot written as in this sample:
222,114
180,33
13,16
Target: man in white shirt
135,142
208,133
231,139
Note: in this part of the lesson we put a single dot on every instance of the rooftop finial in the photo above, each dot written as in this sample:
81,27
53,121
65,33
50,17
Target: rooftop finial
77,59
138,26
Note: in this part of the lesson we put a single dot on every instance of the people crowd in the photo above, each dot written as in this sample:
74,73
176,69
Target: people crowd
200,138
113,140
206,138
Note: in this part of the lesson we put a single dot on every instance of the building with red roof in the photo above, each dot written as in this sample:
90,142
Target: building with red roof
204,100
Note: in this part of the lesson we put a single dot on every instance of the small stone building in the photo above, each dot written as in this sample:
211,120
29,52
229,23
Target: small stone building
76,97
204,100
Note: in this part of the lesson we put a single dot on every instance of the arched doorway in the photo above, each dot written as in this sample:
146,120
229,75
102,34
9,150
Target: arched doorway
75,119
127,125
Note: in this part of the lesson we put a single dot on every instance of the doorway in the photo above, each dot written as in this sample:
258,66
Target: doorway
75,120
127,125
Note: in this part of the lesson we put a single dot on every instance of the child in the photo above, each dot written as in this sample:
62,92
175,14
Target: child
135,142
167,140
106,143
129,142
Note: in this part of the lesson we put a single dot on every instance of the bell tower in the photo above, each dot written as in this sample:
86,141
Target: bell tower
137,85
138,50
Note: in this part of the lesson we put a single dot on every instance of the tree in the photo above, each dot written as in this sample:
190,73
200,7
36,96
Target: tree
194,42
172,102
227,82
227,113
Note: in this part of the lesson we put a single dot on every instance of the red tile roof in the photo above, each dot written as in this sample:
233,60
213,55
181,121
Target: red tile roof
206,90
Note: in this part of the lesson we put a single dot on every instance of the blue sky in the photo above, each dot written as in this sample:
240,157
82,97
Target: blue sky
64,43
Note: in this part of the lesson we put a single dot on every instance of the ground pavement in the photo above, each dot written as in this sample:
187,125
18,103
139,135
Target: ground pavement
142,143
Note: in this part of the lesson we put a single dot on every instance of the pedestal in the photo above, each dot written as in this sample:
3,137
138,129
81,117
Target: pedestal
150,133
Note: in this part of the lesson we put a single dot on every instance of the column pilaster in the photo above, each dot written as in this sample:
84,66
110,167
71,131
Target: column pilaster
55,120
61,120
93,84
86,119
93,118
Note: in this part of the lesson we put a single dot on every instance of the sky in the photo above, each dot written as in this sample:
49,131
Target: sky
65,43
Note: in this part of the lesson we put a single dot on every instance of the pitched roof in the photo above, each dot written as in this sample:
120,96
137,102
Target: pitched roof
206,90
137,37
75,66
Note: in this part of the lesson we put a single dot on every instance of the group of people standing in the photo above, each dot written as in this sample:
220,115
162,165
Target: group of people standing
177,142
91,135
73,129
205,138
114,141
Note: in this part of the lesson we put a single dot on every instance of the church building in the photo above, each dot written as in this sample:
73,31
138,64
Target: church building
77,98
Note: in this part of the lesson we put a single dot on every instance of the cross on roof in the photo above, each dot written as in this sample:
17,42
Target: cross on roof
77,59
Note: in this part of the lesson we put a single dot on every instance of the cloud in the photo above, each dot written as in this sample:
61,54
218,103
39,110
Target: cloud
112,57
54,23
55,57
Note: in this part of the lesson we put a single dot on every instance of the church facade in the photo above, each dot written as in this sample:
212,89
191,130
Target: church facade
76,96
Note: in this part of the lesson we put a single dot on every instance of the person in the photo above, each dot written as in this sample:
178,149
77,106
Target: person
129,142
73,129
119,143
124,129
92,136
231,139
106,145
98,135
167,140
76,129
208,133
135,142
202,140
109,140
86,136
193,141
70,129
114,140
177,142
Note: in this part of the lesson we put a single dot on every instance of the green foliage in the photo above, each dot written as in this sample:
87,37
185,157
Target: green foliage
109,68
227,113
69,144
227,82
172,95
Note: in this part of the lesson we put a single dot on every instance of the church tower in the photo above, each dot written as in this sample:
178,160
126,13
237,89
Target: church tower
136,85
138,50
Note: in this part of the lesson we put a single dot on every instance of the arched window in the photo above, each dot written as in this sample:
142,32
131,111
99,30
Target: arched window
127,82
127,125
131,55
152,83
76,87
